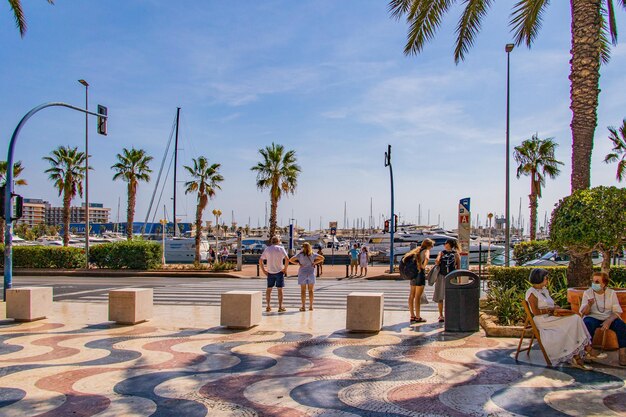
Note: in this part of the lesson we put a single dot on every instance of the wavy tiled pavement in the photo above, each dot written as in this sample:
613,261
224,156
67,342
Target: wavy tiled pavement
52,369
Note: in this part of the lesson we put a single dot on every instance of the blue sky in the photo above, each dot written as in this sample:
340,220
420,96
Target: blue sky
326,78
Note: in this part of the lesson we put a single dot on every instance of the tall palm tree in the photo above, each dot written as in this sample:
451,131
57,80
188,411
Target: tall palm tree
593,29
535,158
67,171
132,167
619,148
18,14
17,171
206,180
278,171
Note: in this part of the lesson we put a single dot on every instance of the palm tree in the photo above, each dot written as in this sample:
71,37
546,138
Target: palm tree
277,171
206,179
132,167
593,30
18,14
619,148
535,158
67,170
17,171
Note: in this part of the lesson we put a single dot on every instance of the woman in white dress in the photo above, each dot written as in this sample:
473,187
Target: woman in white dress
363,261
563,334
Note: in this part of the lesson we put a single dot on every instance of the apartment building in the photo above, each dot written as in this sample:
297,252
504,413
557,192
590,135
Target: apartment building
33,212
97,214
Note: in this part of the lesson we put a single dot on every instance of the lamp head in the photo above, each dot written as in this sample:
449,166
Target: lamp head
509,47
83,82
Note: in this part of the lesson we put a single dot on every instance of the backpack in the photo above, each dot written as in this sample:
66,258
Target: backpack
447,263
408,268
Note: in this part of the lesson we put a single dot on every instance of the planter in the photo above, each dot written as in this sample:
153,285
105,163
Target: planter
575,296
492,329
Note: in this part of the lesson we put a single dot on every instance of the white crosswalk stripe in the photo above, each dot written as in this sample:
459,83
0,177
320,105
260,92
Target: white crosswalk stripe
329,294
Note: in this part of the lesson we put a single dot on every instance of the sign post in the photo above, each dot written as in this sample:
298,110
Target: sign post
333,233
464,232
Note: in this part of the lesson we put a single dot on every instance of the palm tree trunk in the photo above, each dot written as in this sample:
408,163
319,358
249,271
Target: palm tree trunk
67,199
584,92
130,210
606,261
2,224
533,215
273,211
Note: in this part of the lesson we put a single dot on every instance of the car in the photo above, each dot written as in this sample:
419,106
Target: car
553,258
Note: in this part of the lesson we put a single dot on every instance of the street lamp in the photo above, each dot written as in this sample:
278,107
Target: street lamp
489,217
508,48
86,84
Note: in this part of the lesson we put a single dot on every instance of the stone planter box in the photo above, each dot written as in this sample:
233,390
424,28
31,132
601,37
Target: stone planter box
575,296
493,329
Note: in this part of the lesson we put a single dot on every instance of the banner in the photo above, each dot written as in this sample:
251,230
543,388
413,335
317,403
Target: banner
464,231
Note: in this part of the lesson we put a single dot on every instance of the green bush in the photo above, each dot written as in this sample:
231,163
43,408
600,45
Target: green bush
527,251
133,254
222,266
46,257
507,287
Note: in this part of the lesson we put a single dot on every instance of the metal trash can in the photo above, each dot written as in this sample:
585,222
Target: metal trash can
461,302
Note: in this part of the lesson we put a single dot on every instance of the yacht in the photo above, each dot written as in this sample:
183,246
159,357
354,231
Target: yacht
180,250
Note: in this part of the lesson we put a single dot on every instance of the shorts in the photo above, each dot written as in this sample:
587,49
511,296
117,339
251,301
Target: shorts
307,279
277,279
420,279
354,262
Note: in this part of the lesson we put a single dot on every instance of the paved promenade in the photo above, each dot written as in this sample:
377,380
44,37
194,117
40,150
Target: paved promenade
76,363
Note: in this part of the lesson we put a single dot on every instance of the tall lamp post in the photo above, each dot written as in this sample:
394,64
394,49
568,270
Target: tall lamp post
508,48
392,221
86,84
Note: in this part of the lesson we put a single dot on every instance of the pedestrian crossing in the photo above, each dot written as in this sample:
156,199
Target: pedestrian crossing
329,294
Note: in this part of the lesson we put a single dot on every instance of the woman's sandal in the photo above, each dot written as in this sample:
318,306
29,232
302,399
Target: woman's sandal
302,309
268,309
310,308
413,319
420,320
580,365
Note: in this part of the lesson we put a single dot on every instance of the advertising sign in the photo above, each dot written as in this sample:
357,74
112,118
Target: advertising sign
464,231
333,228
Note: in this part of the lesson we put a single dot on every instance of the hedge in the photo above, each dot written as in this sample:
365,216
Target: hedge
134,254
46,257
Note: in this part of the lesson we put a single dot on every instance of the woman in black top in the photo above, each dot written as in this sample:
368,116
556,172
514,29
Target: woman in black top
448,261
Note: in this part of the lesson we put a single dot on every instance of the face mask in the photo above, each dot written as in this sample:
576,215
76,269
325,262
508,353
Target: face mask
596,287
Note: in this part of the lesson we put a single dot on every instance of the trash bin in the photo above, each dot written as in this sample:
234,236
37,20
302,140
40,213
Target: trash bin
461,302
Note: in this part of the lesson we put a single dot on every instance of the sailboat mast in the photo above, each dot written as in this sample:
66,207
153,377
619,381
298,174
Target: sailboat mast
175,166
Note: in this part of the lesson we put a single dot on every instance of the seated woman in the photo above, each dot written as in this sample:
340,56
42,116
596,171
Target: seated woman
563,333
601,309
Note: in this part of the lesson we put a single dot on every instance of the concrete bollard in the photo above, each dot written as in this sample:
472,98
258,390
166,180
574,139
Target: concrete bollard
240,309
29,303
130,305
365,311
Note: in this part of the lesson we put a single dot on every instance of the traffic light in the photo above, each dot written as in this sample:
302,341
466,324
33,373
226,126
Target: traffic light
19,207
386,226
102,121
395,222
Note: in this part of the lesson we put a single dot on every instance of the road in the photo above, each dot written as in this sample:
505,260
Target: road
329,294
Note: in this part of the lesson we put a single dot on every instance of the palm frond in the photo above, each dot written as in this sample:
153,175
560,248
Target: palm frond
605,43
526,20
612,157
610,10
424,19
18,14
469,26
398,8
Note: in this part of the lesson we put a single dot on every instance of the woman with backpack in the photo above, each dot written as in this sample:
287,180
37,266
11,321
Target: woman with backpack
413,267
306,273
448,261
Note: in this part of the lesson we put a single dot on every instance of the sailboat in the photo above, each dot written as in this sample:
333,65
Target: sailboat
177,249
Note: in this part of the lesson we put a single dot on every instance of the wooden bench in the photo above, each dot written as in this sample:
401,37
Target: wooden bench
130,305
365,311
240,309
29,303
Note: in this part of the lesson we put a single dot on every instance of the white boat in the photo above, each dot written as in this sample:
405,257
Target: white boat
183,250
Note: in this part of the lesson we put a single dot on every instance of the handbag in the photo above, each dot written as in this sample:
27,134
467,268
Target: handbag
432,275
423,299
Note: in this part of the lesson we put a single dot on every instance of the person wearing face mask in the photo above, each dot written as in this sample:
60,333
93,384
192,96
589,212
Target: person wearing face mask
563,333
601,310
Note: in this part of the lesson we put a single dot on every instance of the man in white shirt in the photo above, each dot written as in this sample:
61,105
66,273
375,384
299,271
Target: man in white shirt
277,262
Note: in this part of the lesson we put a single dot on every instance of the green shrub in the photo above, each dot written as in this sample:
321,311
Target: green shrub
527,251
222,266
133,254
505,303
46,257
